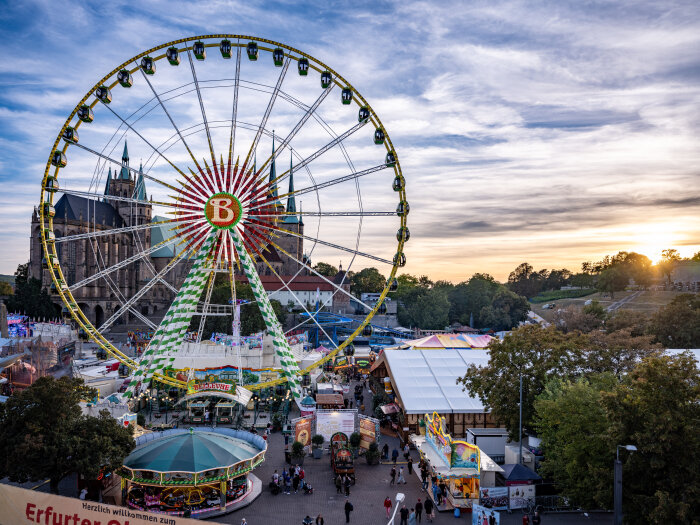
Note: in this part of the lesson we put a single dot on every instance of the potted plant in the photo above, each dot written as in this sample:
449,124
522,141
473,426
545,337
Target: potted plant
276,422
355,439
297,454
317,441
372,454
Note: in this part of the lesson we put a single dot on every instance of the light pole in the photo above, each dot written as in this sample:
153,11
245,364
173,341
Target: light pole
520,424
617,489
399,498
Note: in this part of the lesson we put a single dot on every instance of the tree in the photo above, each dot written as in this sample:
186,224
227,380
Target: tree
596,310
29,298
467,299
572,424
507,310
582,280
636,323
44,426
573,318
428,310
695,257
525,281
657,409
677,325
368,280
617,352
612,279
669,259
535,352
6,288
326,269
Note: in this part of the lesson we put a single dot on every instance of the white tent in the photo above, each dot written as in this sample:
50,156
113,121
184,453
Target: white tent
426,380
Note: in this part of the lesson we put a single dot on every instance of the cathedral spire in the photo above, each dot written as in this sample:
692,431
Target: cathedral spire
291,217
273,171
107,184
124,174
140,189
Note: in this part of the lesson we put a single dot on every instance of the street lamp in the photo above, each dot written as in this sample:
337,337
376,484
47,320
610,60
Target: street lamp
618,483
399,498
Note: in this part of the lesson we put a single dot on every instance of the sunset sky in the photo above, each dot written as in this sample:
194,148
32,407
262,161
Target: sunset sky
547,132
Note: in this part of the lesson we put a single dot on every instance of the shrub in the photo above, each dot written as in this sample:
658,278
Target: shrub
318,440
355,439
297,450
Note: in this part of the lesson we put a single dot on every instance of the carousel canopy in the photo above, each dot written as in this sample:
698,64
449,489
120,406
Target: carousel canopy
191,452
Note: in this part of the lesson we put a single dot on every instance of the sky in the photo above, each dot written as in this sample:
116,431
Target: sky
547,132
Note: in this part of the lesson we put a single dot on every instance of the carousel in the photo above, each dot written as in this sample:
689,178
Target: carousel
193,472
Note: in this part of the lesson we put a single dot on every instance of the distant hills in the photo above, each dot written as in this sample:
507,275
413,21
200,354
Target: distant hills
7,278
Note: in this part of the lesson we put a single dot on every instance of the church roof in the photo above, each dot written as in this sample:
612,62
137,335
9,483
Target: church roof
273,171
159,233
109,179
73,208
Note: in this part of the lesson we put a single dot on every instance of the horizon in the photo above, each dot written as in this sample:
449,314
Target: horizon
548,135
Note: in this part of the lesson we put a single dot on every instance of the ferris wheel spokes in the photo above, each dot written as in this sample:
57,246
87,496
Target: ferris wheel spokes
201,107
234,117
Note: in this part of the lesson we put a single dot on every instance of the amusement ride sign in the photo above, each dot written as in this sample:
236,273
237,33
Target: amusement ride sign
226,389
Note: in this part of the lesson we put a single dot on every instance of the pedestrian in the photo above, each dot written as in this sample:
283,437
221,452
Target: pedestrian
286,440
276,478
526,519
424,478
536,519
338,484
295,482
288,484
404,515
351,403
401,478
428,509
347,486
406,452
244,522
302,475
443,489
348,510
393,475
319,520
412,517
385,452
419,510
394,455
387,506
410,465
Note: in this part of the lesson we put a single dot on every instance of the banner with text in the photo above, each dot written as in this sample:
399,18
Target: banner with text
20,506
332,421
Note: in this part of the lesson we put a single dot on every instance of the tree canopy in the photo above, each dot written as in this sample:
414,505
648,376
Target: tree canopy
325,269
677,325
44,426
29,297
368,280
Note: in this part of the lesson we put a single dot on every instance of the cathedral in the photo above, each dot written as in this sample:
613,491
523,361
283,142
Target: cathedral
82,258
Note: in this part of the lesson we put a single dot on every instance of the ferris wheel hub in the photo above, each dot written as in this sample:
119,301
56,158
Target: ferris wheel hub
223,210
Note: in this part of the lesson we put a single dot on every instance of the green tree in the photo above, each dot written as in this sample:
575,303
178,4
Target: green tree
596,310
525,281
429,310
582,280
6,288
507,310
467,299
325,269
573,424
572,319
612,279
43,425
657,409
636,323
617,352
368,280
677,325
669,259
537,353
695,257
29,298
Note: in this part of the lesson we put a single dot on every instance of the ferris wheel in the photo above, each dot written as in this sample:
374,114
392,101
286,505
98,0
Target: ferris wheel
215,120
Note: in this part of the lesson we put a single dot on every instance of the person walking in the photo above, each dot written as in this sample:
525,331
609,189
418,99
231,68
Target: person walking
526,519
288,484
401,478
338,484
393,475
347,486
348,510
295,483
394,455
387,506
410,465
424,478
536,519
319,520
419,510
406,452
428,509
385,452
412,517
404,515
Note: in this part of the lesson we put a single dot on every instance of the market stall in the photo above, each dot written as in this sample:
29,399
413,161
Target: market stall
455,464
224,412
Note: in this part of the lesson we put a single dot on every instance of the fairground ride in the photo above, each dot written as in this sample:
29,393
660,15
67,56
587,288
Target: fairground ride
186,104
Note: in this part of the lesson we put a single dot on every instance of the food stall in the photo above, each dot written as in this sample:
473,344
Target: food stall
456,463
195,411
